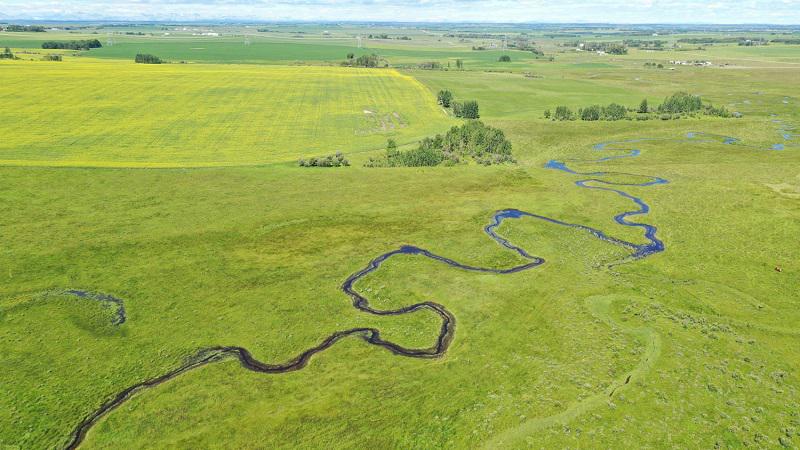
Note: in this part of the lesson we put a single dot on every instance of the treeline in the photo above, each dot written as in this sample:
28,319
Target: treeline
477,35
7,54
371,61
336,160
471,141
743,41
466,110
680,104
613,48
590,113
386,36
430,65
142,58
24,28
786,41
525,45
72,45
656,44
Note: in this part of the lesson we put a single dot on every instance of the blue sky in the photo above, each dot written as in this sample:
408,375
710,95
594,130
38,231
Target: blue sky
614,11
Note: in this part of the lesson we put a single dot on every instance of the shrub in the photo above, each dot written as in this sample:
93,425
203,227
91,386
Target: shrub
147,59
504,58
614,112
51,58
430,65
371,61
591,113
563,113
719,112
643,107
482,143
335,160
681,102
444,98
467,110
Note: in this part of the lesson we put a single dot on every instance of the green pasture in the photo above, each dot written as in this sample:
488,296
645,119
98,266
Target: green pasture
175,188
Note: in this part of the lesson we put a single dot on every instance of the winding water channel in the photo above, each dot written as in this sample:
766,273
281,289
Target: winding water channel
372,336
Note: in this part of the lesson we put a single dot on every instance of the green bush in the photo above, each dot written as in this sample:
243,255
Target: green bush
676,106
563,113
467,110
370,61
147,59
335,160
614,112
7,54
591,113
445,98
483,144
681,102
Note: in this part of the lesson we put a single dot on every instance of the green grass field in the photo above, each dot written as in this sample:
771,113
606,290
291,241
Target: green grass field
178,192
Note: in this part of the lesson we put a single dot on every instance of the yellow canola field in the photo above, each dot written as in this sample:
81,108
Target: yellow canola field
84,112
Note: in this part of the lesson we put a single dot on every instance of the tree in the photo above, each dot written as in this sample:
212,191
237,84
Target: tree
7,54
681,102
470,110
459,64
504,58
614,112
444,98
147,59
643,108
335,160
590,113
484,144
350,56
458,109
367,60
564,113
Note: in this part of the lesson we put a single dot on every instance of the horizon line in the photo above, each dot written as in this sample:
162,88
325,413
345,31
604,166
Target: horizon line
243,21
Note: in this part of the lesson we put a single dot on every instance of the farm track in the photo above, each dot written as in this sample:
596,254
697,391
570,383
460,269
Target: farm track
372,336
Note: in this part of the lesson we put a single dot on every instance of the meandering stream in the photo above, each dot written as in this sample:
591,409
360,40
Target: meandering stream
372,336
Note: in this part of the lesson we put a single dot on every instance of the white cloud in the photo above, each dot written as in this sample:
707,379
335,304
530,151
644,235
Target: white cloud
611,11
